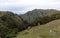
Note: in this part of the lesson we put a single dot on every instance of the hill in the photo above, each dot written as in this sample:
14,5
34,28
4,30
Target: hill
10,24
31,16
49,30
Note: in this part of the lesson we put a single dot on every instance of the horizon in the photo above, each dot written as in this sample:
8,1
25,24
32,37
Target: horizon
22,6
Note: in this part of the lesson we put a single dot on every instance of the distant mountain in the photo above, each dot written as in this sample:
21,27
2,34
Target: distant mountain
31,16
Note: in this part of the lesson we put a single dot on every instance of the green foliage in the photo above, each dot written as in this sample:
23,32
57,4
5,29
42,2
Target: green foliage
10,24
48,18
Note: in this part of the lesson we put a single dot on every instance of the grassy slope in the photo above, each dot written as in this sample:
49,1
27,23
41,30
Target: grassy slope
43,30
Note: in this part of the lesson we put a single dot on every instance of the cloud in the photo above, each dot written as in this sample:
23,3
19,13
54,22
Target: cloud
22,6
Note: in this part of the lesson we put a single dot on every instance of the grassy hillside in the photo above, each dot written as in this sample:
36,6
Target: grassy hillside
49,30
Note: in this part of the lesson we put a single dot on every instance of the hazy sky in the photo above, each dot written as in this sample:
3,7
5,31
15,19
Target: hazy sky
22,6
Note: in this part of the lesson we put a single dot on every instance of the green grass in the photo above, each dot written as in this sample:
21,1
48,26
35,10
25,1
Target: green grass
42,30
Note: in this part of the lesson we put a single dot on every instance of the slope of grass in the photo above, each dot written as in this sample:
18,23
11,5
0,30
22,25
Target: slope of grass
42,31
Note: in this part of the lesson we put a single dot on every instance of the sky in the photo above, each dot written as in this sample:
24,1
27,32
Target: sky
22,6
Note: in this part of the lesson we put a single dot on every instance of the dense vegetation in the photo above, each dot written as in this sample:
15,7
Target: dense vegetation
11,24
48,18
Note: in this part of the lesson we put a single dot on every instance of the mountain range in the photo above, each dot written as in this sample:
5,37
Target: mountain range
11,24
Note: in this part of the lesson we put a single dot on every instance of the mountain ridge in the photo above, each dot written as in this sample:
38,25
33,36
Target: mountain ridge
31,16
